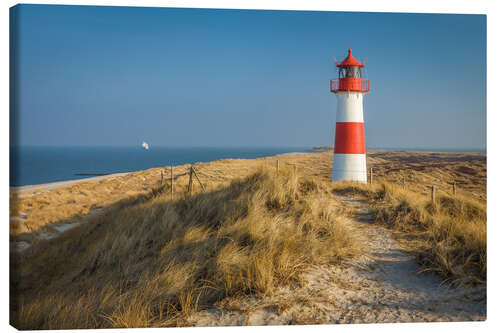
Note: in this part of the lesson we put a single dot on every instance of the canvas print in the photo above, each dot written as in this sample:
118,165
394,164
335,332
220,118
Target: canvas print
225,167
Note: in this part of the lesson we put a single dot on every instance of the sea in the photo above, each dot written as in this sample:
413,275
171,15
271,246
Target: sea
30,165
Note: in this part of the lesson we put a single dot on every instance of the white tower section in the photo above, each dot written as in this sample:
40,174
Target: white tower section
350,164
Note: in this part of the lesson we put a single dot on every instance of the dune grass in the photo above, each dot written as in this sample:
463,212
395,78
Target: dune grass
447,236
153,261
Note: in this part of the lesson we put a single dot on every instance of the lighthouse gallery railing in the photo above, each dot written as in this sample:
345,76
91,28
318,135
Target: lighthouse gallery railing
335,86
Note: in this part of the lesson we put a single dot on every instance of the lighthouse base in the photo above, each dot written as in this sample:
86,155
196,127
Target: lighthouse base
349,167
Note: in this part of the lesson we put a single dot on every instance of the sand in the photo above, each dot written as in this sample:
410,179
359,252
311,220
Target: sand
382,287
55,185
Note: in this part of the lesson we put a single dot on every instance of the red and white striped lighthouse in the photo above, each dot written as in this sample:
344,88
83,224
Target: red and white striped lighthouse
349,160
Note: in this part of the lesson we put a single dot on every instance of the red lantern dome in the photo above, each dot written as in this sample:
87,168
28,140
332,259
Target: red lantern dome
350,61
350,76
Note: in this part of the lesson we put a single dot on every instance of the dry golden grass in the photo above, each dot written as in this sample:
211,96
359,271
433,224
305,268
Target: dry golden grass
150,261
448,236
421,170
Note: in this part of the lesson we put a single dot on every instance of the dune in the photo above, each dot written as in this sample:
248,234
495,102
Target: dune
258,246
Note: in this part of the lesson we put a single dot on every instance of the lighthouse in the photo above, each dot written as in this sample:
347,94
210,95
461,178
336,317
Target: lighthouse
349,158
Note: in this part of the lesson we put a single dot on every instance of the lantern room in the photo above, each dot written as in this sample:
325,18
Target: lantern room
350,76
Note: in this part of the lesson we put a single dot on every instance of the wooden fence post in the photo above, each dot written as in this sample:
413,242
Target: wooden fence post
433,193
161,179
454,188
198,178
371,175
277,165
404,182
190,184
172,182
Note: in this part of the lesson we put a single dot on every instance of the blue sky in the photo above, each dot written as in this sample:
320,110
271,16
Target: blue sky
198,77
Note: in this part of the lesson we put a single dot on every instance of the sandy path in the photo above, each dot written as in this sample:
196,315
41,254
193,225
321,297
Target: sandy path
380,287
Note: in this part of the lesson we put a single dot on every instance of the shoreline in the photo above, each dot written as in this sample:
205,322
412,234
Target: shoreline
62,183
65,183
69,182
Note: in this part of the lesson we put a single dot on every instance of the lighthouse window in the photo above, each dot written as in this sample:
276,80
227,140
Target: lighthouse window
353,72
349,72
342,73
356,72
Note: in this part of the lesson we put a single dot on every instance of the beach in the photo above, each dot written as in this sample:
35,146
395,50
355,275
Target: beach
55,185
